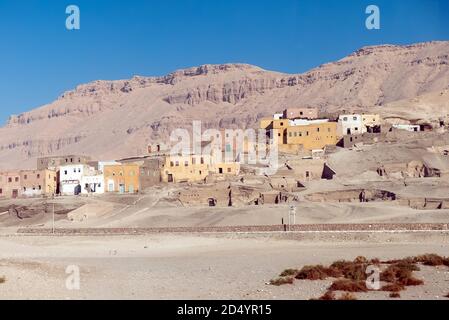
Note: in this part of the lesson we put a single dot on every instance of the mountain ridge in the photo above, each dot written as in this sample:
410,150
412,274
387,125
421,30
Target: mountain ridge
112,119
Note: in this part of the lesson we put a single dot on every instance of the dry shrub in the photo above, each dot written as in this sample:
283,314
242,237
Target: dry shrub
395,295
401,273
282,281
360,259
2,279
348,285
317,272
350,270
347,296
329,295
289,272
393,287
447,296
430,260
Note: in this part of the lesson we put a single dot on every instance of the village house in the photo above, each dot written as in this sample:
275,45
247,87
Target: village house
121,178
186,168
301,113
28,183
302,134
10,184
92,184
54,162
350,124
149,169
371,123
70,178
38,182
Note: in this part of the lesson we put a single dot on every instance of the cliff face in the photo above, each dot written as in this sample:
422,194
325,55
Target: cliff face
110,119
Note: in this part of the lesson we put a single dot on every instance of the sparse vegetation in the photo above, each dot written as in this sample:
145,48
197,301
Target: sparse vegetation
351,275
348,285
281,281
447,296
431,260
2,279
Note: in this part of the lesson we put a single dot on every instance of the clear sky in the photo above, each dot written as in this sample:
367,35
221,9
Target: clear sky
40,58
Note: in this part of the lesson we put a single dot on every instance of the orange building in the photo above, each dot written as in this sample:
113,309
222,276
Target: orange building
121,178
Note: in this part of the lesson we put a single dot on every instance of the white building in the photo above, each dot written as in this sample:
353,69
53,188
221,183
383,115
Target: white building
92,184
408,127
278,116
350,124
70,177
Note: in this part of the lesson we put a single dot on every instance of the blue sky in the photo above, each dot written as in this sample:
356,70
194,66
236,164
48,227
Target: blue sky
40,58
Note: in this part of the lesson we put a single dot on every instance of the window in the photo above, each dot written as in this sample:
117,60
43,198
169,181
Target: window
202,160
38,176
40,187
354,118
74,170
307,174
172,164
65,172
328,129
177,163
290,134
220,170
186,163
317,129
301,113
71,159
79,170
25,177
1,191
193,161
307,133
9,179
17,179
296,134
356,129
229,170
345,118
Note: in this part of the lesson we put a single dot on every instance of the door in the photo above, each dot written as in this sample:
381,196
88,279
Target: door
170,178
122,188
131,188
111,186
15,193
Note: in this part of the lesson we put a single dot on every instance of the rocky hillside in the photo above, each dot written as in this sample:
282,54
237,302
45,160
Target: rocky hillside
111,119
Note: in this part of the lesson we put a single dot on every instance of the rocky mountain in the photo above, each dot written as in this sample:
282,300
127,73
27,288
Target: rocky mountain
113,119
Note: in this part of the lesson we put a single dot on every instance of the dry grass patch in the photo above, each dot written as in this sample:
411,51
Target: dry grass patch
348,285
395,295
282,281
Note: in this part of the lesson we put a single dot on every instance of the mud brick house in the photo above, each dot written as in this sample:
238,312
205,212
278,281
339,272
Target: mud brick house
38,182
54,162
10,184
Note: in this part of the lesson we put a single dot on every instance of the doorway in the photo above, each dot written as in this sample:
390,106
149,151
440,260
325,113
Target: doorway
170,177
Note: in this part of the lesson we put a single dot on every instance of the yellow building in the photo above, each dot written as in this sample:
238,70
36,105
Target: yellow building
195,168
122,178
185,168
310,134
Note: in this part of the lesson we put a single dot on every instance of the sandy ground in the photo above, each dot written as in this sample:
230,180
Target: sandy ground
200,267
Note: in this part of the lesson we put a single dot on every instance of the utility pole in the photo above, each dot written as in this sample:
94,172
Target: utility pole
291,217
